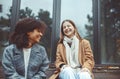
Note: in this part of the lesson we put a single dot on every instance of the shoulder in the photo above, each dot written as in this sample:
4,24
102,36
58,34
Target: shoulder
40,50
38,46
84,41
60,45
9,50
10,47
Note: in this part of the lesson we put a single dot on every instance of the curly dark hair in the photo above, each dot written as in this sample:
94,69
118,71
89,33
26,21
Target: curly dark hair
19,35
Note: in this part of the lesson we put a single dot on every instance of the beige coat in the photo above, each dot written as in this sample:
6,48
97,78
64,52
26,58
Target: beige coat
85,57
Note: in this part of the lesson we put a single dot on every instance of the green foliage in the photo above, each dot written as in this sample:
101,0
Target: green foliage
4,21
45,16
27,12
89,27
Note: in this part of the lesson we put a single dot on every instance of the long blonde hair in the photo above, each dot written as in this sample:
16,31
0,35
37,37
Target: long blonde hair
62,33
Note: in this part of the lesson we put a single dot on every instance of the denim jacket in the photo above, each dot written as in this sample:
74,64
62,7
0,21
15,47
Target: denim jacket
13,63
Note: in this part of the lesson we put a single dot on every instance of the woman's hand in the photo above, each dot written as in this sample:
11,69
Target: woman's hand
63,67
85,70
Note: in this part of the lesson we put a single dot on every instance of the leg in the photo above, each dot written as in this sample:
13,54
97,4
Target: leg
67,73
83,75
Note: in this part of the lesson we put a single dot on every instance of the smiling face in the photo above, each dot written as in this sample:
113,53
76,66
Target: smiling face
34,36
68,29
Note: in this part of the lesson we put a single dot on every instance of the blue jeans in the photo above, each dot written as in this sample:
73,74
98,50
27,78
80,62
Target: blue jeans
68,73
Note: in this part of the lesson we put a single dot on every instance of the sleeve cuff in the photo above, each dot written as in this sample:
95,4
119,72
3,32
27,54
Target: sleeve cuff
61,65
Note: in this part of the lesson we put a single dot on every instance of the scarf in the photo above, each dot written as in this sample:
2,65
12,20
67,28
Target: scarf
72,51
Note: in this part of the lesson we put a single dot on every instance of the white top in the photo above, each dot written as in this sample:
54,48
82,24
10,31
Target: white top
26,53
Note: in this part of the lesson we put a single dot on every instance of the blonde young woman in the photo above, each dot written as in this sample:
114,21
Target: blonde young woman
74,57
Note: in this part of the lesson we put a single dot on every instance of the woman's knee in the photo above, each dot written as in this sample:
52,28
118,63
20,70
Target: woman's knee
67,73
85,75
66,70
